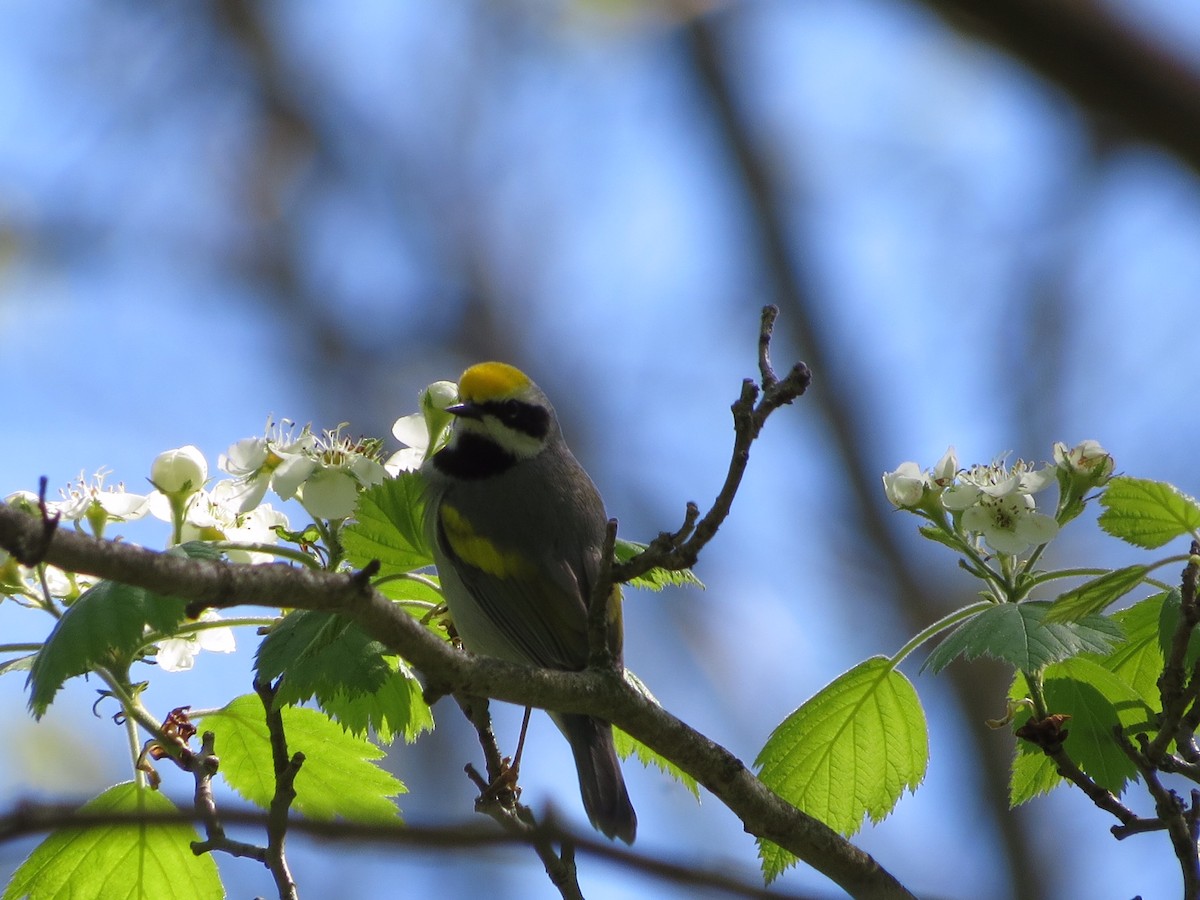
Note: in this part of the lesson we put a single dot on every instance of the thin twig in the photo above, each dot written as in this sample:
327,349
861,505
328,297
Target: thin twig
1048,735
1176,690
604,595
286,770
750,412
498,799
1172,812
203,766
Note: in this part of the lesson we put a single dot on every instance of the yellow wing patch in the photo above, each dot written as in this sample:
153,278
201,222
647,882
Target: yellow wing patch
491,381
476,550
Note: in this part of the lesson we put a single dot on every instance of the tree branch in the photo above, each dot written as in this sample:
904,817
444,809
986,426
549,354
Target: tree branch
34,818
1085,48
681,549
602,694
286,769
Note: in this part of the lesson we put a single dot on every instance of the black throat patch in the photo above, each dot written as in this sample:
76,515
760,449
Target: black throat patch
473,457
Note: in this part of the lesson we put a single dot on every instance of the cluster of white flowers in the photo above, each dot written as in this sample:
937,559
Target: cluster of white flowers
323,473
996,501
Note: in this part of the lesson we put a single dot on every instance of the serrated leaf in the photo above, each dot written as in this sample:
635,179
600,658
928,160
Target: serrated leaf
397,707
1147,513
321,654
1016,633
655,579
1097,701
338,778
850,751
1033,774
390,526
1138,660
118,862
18,664
1096,595
629,746
105,626
774,859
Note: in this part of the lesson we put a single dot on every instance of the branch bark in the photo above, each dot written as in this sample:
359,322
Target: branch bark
604,694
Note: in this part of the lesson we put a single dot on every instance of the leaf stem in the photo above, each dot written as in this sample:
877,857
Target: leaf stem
940,625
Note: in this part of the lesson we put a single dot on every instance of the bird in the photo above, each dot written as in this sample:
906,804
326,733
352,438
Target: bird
517,530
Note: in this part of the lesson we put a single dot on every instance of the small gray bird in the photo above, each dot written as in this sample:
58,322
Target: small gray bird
517,529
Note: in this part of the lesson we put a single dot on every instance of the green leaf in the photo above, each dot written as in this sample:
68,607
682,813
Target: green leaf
1168,621
850,751
1138,660
401,588
1033,773
106,627
1147,513
942,536
390,526
629,746
118,862
1016,633
18,664
321,654
1095,595
655,579
397,707
1097,701
338,778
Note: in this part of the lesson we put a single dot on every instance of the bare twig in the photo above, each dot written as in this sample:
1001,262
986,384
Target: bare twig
498,799
1176,691
1179,822
754,405
1048,735
286,770
601,655
203,766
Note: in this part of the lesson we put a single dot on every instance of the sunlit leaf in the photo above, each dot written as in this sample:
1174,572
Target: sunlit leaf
389,526
118,862
849,752
339,777
1147,513
655,579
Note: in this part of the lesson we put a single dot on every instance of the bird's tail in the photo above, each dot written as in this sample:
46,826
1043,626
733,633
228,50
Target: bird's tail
600,781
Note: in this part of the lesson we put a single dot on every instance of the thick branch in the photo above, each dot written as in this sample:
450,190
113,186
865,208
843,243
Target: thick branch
602,694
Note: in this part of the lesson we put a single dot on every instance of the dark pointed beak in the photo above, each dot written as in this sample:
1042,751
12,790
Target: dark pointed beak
465,411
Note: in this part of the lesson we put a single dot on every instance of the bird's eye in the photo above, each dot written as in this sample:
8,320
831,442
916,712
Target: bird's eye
511,411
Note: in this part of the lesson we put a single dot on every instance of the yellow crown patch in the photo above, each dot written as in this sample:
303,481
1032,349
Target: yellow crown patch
491,381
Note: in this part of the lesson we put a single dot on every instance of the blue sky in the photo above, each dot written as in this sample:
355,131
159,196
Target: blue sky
950,211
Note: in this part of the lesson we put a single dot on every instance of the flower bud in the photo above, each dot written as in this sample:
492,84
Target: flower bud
180,472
